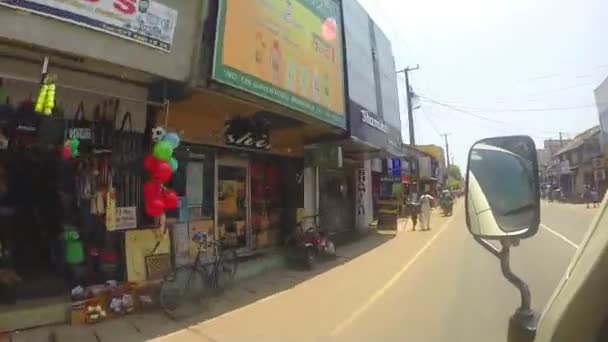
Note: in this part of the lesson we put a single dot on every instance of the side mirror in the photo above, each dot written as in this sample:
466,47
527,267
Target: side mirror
502,188
503,203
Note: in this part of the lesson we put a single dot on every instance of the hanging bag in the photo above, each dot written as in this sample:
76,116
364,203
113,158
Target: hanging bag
26,123
51,130
105,119
81,128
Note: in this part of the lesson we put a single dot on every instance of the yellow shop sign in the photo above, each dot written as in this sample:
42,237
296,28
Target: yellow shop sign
289,52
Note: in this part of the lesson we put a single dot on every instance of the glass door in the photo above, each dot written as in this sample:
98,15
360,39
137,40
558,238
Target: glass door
233,202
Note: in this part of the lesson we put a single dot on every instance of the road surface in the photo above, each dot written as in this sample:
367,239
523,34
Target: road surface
420,286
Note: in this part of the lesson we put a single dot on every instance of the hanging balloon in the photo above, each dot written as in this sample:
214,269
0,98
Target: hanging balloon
172,138
171,200
152,190
174,164
66,152
163,150
75,153
155,207
163,171
75,143
150,163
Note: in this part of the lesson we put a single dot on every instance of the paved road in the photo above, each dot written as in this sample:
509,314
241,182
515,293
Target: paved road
431,286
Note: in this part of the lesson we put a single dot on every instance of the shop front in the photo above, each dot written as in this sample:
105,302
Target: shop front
75,124
70,151
267,96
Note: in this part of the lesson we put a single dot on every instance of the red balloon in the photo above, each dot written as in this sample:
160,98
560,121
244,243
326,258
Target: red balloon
163,171
150,163
171,200
152,190
155,207
66,153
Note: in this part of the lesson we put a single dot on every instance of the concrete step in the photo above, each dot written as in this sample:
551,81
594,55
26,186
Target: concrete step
34,313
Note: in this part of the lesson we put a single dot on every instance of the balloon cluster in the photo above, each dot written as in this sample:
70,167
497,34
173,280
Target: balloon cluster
46,97
70,149
161,166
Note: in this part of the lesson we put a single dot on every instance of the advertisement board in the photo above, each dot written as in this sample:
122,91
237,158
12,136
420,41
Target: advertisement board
143,21
288,52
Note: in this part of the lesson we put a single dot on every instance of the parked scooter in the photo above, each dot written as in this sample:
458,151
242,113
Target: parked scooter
306,246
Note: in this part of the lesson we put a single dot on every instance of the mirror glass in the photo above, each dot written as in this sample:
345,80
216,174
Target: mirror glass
502,197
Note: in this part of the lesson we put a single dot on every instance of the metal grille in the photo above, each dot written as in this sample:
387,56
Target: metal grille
157,266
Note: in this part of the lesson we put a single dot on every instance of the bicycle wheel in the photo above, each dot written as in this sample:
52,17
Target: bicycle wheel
225,270
185,285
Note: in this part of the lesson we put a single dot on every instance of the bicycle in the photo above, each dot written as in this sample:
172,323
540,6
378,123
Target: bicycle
189,282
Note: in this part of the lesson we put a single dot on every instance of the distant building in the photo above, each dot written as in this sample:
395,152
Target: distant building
580,163
601,102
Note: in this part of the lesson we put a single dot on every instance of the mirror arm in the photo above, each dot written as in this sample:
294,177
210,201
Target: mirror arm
488,246
505,267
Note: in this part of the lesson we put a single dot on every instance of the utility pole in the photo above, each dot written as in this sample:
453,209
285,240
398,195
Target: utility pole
561,140
447,148
410,120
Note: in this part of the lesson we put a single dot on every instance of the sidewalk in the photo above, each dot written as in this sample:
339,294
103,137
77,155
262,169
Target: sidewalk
144,326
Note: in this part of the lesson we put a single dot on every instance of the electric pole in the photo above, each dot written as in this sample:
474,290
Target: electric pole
561,140
447,148
410,120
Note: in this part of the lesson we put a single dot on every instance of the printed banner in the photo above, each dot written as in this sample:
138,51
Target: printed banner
289,52
143,21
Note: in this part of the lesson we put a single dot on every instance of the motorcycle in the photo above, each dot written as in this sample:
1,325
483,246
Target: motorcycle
447,208
309,245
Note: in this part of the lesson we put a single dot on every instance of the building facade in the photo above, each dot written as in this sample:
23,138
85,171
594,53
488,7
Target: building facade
276,129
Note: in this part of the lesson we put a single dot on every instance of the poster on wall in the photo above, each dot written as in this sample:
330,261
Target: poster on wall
289,52
144,21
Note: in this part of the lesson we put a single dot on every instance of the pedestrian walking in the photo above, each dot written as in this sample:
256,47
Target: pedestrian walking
587,195
426,203
414,209
595,197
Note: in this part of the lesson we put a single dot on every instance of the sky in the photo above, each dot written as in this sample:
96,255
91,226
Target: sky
497,67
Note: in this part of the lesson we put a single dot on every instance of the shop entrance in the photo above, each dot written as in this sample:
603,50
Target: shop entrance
233,201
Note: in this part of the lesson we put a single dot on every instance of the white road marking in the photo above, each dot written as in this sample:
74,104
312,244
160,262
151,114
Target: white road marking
350,319
568,241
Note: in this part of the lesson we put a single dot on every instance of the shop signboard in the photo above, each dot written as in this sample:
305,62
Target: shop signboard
126,218
143,21
371,128
248,133
288,52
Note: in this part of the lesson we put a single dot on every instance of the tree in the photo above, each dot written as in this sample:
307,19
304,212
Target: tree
454,172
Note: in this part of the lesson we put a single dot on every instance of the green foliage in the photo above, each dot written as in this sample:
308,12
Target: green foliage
454,172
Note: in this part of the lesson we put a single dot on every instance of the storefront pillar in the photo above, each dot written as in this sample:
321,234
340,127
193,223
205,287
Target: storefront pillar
364,207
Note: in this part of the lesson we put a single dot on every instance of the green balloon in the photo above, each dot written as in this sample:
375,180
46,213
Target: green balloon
75,153
75,144
174,164
163,150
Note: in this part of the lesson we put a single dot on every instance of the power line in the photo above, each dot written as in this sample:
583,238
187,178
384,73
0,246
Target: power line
462,111
499,110
433,125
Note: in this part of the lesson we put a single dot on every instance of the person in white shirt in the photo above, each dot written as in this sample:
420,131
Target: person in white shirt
426,203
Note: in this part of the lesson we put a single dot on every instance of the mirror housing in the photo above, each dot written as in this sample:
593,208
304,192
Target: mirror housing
502,188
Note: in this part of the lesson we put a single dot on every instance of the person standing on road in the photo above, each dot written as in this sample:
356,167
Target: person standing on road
426,203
